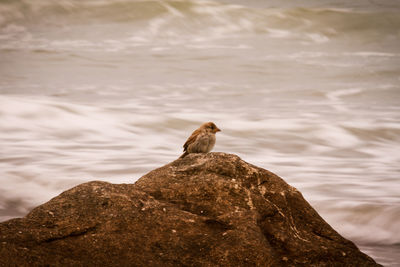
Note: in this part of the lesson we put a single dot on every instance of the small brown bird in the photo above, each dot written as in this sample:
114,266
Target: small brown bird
202,140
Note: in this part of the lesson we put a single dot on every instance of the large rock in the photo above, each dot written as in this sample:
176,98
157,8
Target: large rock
203,210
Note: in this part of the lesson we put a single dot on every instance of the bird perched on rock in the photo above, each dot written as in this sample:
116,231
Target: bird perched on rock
202,140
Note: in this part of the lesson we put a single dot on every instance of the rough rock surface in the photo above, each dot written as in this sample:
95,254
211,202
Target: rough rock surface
203,210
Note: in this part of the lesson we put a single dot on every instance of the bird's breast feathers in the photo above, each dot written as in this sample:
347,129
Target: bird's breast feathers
202,143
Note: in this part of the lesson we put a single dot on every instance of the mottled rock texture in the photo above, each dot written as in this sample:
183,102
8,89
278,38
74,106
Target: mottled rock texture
203,210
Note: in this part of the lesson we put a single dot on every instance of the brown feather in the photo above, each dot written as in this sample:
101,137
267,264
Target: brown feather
184,155
192,138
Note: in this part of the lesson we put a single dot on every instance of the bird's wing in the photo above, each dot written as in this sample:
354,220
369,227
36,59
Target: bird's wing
191,139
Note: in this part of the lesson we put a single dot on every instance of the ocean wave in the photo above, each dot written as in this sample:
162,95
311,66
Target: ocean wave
363,219
176,18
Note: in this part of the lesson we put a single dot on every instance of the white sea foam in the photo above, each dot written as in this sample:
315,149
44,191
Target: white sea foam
336,95
317,38
276,33
371,54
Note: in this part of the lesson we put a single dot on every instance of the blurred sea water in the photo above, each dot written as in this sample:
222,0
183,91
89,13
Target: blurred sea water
109,90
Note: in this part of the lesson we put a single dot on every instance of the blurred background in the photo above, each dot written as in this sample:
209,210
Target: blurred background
111,89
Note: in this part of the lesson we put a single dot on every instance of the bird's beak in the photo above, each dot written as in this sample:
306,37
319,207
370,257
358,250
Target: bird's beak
217,130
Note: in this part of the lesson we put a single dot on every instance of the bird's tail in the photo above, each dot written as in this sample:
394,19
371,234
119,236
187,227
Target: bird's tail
184,155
